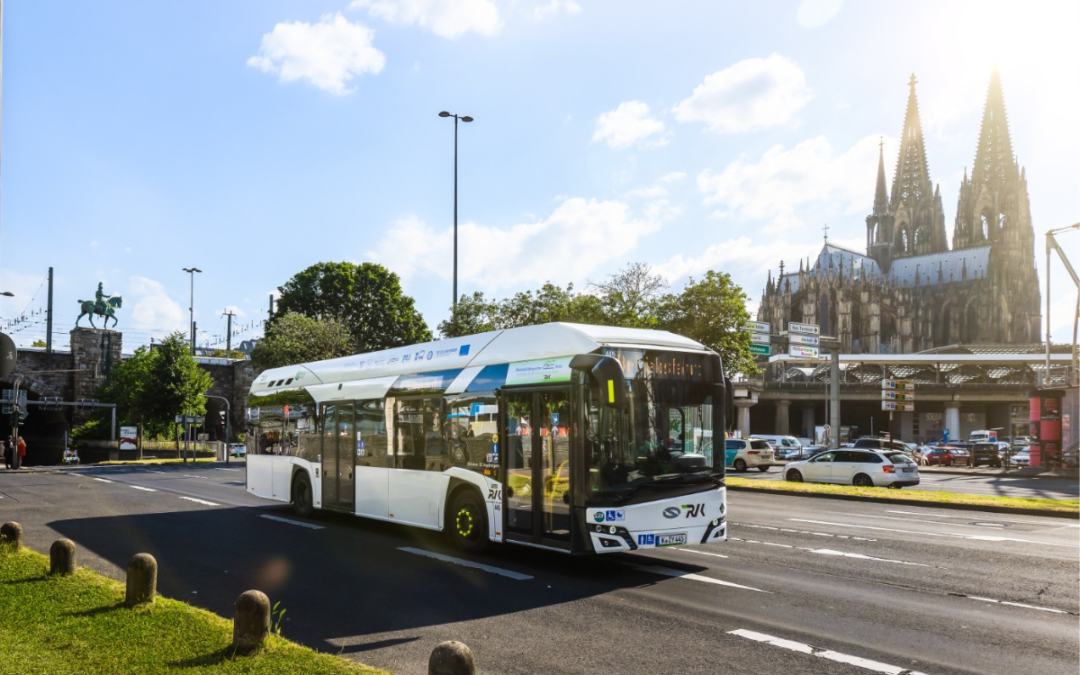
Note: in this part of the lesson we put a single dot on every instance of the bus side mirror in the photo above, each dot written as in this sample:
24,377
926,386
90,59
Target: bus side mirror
607,374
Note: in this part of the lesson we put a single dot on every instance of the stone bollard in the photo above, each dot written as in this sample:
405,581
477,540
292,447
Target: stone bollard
451,658
62,557
11,535
251,621
141,579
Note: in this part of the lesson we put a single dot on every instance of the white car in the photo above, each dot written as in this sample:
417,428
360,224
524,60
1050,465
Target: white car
862,468
237,449
742,454
1021,457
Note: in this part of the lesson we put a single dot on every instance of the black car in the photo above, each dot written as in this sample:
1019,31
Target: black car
986,453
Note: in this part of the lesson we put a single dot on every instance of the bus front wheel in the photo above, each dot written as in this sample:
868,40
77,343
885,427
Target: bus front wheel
301,495
467,522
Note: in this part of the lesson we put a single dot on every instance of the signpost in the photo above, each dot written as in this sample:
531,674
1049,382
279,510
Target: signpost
799,351
759,350
759,326
804,328
897,396
760,337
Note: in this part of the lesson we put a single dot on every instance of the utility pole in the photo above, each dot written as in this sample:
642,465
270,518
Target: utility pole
48,316
228,334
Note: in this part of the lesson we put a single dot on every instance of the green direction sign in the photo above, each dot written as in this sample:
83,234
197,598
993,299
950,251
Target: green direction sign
760,350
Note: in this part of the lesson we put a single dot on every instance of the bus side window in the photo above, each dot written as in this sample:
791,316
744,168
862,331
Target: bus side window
371,438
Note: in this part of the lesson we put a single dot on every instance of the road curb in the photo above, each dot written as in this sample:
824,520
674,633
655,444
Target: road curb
998,474
914,502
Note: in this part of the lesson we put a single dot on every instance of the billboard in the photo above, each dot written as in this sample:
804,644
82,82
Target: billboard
129,438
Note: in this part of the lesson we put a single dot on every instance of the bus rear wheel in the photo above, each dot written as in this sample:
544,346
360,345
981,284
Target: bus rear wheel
301,495
467,522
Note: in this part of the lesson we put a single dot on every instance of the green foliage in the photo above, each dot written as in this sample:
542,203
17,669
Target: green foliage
276,615
711,310
296,338
367,298
94,430
38,344
153,387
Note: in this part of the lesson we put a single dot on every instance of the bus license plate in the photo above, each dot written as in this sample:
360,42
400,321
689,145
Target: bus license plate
671,539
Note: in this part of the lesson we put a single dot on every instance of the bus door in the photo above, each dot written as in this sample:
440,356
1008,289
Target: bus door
536,461
339,441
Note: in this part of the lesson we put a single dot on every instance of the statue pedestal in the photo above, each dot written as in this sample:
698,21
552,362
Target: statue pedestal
94,353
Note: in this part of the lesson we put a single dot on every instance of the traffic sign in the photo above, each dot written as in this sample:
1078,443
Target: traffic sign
759,326
760,338
804,328
899,385
889,395
760,350
804,352
800,339
893,406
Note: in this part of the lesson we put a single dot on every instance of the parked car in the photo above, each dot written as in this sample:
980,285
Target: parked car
874,443
986,453
1020,442
1021,457
809,451
742,454
237,449
944,455
783,446
862,468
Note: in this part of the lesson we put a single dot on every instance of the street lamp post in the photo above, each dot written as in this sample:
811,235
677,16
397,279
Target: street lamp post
191,306
463,118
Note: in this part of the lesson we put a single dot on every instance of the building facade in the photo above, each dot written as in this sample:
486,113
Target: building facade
911,291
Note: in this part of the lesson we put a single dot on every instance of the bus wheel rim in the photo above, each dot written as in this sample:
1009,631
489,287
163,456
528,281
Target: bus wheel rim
464,522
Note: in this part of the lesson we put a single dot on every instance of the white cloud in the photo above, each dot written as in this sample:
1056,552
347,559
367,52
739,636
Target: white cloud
814,13
752,94
628,124
577,238
235,310
754,259
329,54
445,18
152,309
554,8
672,177
783,182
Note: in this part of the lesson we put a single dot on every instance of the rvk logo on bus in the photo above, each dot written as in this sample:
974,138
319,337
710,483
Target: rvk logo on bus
646,540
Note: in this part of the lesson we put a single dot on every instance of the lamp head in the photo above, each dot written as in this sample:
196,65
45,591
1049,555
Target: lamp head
444,114
466,119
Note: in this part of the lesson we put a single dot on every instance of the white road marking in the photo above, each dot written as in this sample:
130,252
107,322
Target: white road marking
669,572
199,501
955,535
794,531
828,551
467,563
103,480
152,471
188,475
1016,604
292,522
223,469
996,518
875,666
694,550
144,489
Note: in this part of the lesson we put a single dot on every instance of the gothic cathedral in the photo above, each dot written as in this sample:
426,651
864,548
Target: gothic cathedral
910,291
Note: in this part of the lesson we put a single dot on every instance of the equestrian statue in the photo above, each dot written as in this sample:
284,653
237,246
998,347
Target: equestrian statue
104,305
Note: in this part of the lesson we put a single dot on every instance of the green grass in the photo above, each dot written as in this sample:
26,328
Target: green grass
1063,505
78,625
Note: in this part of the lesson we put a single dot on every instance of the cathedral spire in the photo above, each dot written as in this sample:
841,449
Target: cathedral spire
881,195
912,181
994,162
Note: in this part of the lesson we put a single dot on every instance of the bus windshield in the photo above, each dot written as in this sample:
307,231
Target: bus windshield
663,437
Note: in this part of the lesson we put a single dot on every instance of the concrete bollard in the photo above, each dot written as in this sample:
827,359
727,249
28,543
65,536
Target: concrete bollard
11,535
62,557
251,621
141,579
451,658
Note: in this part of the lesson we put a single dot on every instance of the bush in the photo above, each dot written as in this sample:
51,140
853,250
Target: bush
94,430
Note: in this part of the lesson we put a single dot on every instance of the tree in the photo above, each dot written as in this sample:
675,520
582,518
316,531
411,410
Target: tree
628,298
366,298
174,386
153,387
38,344
713,312
295,338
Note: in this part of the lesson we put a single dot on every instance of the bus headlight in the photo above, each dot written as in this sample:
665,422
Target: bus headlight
613,529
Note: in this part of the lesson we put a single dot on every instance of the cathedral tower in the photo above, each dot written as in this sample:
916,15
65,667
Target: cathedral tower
879,224
918,217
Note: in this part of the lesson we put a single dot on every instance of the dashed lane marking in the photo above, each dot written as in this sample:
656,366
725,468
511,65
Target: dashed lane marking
518,576
954,535
144,489
694,550
680,574
829,551
1003,520
859,662
1012,604
199,501
794,531
103,480
292,522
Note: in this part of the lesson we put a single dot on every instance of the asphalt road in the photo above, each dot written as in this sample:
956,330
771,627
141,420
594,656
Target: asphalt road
986,482
805,585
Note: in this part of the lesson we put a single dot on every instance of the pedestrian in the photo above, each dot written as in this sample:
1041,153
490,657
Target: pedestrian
8,451
20,447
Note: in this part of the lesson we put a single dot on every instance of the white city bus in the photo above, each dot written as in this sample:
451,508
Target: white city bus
583,439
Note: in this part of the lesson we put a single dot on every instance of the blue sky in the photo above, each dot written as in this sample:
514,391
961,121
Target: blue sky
252,139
